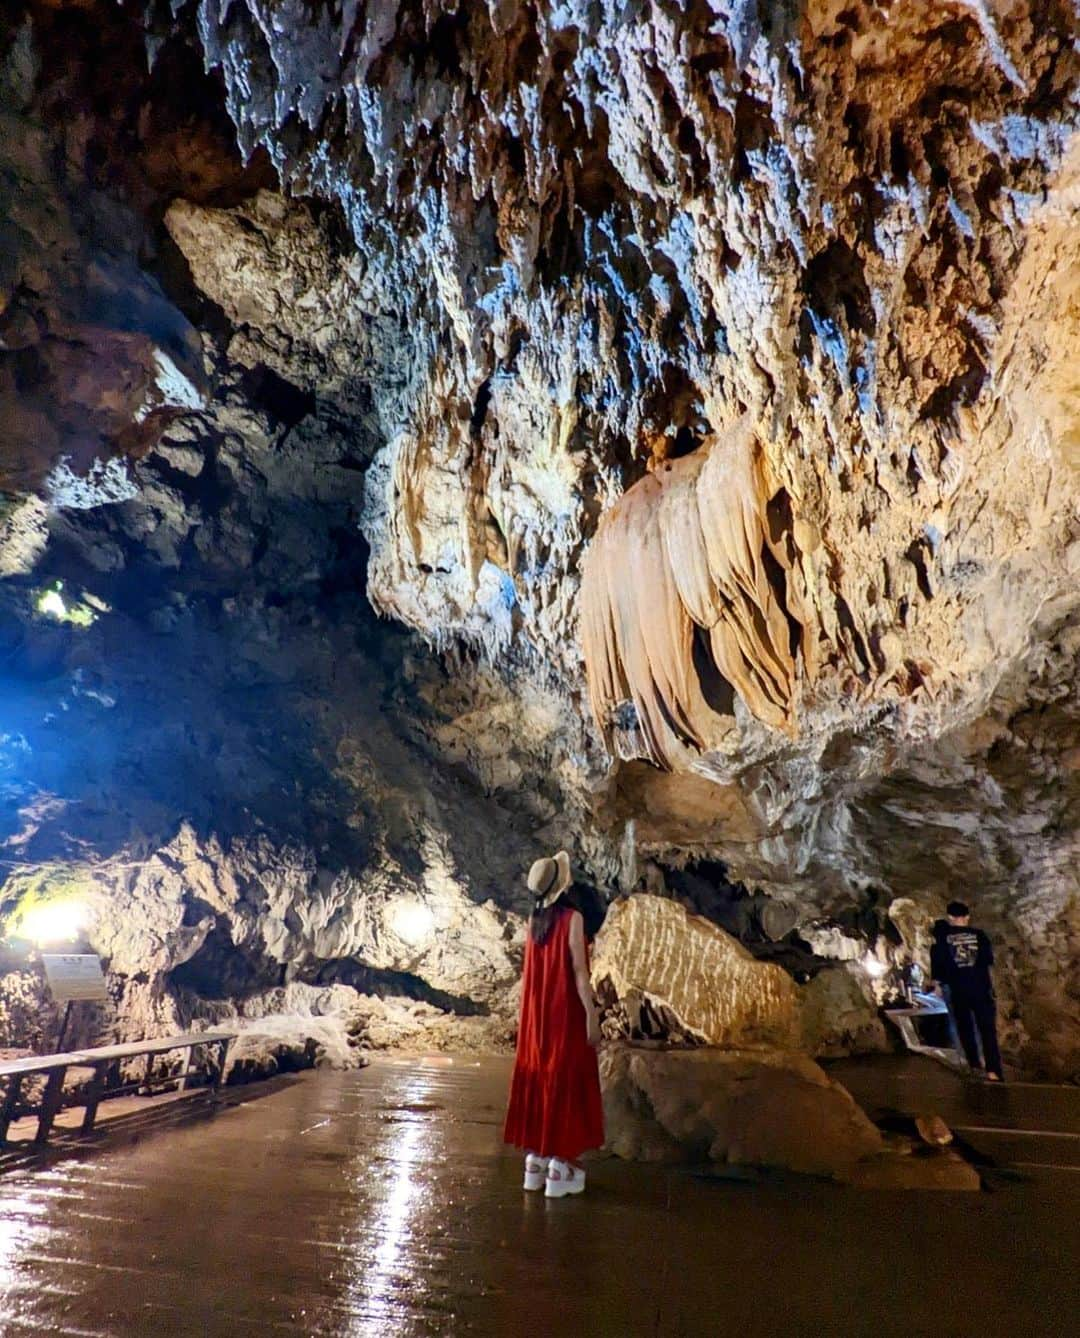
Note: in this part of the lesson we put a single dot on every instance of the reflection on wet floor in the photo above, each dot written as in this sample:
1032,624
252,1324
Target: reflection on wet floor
382,1203
382,1289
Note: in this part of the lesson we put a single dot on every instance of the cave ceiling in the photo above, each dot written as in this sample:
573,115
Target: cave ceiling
689,387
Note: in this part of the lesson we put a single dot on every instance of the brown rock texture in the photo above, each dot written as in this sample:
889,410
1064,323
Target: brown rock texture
743,1108
942,1170
95,360
679,607
663,973
839,1016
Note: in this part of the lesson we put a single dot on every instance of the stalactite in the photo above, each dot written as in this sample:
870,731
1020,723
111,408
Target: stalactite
690,547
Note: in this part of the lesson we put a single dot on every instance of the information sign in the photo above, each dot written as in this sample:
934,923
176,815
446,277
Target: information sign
75,976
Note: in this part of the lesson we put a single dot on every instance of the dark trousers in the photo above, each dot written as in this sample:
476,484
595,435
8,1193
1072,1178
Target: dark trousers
979,1011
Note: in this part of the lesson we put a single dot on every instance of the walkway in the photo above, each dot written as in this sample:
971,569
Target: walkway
381,1203
1031,1127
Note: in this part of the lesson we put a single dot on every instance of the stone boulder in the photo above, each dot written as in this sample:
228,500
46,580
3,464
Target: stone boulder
699,982
839,1017
903,1168
769,1108
664,973
284,1044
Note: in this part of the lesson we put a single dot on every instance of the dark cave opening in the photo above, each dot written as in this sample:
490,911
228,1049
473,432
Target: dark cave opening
763,925
286,403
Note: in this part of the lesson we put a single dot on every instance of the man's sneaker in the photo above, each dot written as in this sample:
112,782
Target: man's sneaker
535,1170
563,1179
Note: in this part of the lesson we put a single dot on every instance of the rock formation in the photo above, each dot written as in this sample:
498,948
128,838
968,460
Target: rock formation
694,384
664,974
763,1110
684,553
699,980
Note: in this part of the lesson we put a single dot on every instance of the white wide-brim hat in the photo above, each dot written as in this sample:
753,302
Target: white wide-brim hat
549,878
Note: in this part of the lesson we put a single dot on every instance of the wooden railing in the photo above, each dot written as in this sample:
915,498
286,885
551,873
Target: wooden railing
16,1071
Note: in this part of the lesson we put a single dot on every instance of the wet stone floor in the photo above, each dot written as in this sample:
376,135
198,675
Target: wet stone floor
382,1203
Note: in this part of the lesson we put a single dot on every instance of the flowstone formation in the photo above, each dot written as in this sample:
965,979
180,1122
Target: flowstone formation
695,381
688,550
663,974
651,955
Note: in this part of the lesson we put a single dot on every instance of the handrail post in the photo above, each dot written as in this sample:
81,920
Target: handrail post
50,1102
93,1096
222,1055
189,1063
10,1106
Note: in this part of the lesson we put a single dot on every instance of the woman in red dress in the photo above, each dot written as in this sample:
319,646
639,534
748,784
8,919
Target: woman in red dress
555,1112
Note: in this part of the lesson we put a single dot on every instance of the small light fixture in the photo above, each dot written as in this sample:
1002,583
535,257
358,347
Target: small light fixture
54,922
412,922
874,965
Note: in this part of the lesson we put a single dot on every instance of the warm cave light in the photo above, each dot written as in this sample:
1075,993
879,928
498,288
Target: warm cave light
52,604
874,965
53,923
412,922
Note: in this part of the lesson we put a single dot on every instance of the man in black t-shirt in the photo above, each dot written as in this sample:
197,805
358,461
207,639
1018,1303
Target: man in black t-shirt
960,960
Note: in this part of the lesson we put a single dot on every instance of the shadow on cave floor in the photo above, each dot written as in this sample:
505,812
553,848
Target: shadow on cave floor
124,1121
382,1202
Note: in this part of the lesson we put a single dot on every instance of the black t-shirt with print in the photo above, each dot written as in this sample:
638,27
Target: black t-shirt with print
961,957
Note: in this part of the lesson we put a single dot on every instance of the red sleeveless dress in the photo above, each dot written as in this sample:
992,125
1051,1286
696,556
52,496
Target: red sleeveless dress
555,1107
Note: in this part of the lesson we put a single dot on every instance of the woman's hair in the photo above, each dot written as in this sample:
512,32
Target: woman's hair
575,898
540,921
